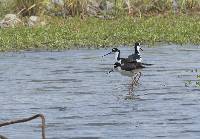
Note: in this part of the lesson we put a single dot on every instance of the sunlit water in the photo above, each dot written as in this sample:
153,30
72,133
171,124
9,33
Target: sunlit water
81,101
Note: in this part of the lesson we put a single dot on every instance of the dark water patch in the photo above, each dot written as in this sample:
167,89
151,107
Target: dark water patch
89,71
196,90
75,93
181,123
60,71
71,117
54,124
54,87
189,50
69,128
35,108
51,59
160,136
58,138
155,89
58,108
123,112
40,68
160,123
91,58
83,93
180,119
114,114
44,90
92,105
190,131
104,124
67,67
189,104
163,94
172,98
57,81
105,65
171,70
139,99
113,107
147,110
150,75
105,69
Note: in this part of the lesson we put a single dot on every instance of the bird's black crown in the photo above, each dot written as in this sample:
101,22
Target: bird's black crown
137,44
115,50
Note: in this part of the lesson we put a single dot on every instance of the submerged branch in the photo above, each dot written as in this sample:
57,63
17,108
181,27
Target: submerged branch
26,120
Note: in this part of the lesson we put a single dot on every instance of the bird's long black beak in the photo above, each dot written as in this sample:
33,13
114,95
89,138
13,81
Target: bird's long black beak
107,54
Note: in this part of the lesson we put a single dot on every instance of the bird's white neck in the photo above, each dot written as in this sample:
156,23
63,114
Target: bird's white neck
138,50
117,56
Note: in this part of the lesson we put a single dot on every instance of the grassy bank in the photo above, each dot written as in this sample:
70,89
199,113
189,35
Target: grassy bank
93,32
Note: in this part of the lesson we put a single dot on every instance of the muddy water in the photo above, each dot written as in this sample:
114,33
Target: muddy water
81,101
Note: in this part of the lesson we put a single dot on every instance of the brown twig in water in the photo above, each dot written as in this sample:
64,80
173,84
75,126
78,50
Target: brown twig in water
26,120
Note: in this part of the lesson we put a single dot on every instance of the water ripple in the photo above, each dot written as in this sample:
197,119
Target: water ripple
80,101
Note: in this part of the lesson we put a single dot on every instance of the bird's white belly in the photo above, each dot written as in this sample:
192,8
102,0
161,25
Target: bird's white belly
139,60
128,73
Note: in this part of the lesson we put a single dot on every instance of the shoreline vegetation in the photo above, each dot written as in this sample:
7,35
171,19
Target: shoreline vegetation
92,32
82,31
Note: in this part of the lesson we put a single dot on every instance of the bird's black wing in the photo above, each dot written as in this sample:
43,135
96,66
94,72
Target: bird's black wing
133,57
126,60
131,66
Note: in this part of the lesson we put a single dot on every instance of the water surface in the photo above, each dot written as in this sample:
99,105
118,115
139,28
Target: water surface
81,101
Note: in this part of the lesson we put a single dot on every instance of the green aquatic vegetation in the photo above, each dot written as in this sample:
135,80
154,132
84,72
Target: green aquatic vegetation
93,32
196,81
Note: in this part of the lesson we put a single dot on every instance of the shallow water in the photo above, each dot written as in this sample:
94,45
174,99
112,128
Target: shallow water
81,101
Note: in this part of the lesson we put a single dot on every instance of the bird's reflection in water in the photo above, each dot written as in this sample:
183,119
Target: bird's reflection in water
134,82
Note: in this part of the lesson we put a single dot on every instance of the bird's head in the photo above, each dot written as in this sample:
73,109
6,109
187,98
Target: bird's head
114,50
138,47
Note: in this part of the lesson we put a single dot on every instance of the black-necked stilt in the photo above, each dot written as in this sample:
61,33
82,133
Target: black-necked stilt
116,52
127,69
131,70
118,59
136,56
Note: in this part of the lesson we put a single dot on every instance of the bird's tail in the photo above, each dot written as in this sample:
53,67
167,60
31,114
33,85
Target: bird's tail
147,64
